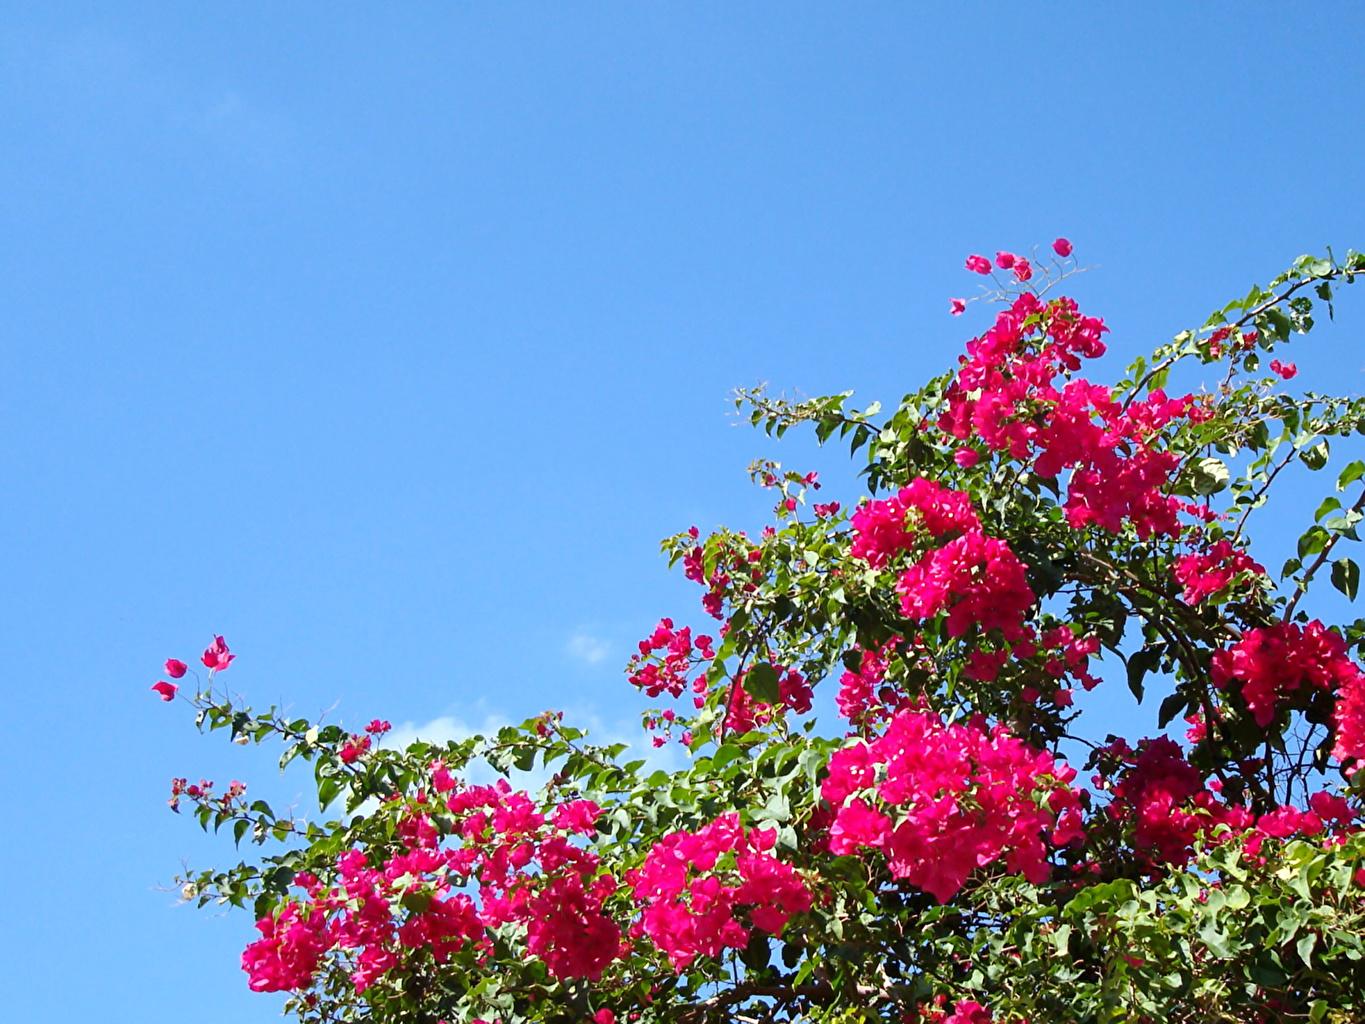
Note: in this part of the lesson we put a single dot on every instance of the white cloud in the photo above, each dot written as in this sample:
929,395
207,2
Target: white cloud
443,729
585,647
447,728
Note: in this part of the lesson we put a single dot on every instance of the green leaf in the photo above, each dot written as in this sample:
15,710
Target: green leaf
1312,541
1353,472
1315,456
1139,665
1210,476
1328,506
1346,577
327,792
1170,707
760,683
1304,947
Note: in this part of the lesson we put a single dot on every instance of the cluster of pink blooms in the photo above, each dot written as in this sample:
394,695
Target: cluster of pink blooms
940,801
528,869
1348,718
531,873
1203,574
964,1011
1245,341
693,887
287,954
734,562
666,659
1019,265
1286,371
767,477
1064,655
865,698
1284,666
746,713
1006,395
663,724
975,579
1059,655
883,529
216,657
202,792
354,748
1325,811
1165,800
1169,806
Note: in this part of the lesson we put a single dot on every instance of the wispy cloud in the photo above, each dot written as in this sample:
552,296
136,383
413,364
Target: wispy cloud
448,728
443,729
585,647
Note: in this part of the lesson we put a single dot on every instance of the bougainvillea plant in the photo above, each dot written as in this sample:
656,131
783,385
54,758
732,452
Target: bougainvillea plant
892,809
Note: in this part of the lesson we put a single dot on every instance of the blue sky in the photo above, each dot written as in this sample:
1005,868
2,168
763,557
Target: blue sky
389,342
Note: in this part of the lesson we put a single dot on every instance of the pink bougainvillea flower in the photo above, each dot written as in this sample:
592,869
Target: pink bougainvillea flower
1023,269
354,748
1062,247
1287,371
167,690
1005,260
957,306
175,668
978,264
216,657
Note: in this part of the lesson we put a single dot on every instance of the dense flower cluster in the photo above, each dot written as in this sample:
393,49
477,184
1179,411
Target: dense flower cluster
694,886
527,871
734,565
1282,666
746,713
1169,805
1006,396
976,579
964,1011
666,658
865,698
1164,799
1348,719
1203,574
291,945
940,801
883,529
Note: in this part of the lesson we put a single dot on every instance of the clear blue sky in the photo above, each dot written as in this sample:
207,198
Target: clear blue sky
389,342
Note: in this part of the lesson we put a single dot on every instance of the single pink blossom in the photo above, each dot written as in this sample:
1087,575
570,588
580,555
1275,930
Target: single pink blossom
167,690
216,657
1287,371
